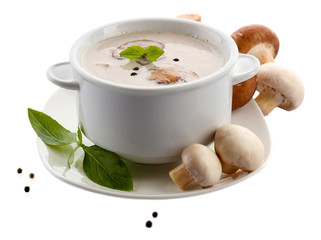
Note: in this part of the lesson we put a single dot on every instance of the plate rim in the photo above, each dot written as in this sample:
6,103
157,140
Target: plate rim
43,149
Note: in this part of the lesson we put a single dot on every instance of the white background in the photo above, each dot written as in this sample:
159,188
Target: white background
280,202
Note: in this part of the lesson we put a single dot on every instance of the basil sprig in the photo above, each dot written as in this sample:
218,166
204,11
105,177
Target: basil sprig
100,165
152,53
49,130
106,168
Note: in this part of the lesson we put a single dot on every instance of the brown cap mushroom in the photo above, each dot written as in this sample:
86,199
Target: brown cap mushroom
278,87
199,164
257,40
239,147
243,92
192,16
261,42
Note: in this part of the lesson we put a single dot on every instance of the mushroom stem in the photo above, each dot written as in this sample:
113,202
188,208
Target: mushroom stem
264,52
268,99
181,176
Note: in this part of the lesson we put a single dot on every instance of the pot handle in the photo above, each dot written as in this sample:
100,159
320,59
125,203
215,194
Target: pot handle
245,67
61,75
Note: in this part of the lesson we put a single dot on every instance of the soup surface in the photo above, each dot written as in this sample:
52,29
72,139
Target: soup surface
185,59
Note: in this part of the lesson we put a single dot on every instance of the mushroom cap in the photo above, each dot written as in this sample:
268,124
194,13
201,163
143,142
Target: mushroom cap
202,163
284,81
243,92
172,73
191,16
227,168
239,147
252,35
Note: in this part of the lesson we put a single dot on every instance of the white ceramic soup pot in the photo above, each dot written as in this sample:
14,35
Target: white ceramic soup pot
153,124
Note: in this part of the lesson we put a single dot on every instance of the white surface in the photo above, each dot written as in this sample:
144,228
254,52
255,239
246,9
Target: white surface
150,181
280,202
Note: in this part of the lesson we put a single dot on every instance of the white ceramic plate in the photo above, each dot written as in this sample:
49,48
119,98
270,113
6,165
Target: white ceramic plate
150,181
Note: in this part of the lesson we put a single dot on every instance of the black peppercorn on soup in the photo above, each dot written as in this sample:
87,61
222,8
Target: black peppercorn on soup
185,59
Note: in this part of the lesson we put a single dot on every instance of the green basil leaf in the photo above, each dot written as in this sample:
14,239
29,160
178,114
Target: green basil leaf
72,155
133,52
79,134
49,130
106,168
153,53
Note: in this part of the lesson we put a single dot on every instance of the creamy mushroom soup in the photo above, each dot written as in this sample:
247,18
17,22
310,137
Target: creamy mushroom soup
185,59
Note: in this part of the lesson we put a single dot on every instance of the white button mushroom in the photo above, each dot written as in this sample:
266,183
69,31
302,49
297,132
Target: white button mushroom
227,168
278,87
239,147
199,164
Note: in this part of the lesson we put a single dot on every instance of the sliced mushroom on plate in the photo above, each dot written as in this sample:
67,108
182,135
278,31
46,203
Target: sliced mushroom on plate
172,73
142,43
